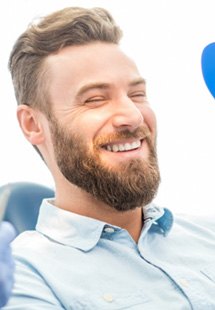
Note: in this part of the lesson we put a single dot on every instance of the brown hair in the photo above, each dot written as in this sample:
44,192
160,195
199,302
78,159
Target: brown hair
70,26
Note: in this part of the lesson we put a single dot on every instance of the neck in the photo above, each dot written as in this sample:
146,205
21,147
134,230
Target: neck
73,199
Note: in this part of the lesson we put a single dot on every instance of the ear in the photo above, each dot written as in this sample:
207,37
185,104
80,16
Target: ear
30,121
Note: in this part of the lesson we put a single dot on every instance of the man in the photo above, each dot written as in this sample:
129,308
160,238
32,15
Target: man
100,243
7,234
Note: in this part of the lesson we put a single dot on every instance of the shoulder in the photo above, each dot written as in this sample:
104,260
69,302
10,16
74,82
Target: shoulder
205,222
195,229
31,259
28,239
29,245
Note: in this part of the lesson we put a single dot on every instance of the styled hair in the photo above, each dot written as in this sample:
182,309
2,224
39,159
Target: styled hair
67,27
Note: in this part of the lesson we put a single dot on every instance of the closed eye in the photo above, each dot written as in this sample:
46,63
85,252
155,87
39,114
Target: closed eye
138,96
141,94
95,99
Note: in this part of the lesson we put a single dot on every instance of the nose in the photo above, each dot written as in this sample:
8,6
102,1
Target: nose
127,115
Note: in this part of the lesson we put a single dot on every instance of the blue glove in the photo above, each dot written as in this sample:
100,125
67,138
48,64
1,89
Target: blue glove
7,234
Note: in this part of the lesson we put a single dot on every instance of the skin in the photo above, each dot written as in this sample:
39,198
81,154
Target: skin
96,90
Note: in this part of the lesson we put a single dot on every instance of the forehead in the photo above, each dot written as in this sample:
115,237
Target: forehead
75,66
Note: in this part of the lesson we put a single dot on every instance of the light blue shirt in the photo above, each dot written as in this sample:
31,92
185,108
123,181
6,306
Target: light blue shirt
76,262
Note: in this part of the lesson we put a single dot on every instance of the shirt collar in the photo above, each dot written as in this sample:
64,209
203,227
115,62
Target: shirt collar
68,228
83,232
157,216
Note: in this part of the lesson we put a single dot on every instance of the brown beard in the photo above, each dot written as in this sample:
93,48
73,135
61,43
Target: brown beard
132,184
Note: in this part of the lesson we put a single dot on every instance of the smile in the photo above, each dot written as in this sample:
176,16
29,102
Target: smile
123,147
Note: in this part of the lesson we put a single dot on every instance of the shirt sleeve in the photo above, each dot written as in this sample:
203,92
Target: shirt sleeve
31,291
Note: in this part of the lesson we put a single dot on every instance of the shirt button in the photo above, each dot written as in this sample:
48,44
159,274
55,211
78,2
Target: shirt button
109,230
108,297
184,282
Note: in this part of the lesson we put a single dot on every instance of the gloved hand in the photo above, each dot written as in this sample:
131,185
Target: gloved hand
7,234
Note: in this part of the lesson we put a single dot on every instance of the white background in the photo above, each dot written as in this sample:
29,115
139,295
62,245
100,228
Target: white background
166,38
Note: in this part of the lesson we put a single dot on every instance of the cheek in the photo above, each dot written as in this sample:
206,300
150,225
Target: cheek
150,120
88,127
91,123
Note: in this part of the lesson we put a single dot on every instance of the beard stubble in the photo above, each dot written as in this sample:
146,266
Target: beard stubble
132,184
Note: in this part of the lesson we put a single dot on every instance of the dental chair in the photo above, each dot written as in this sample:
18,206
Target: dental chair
23,203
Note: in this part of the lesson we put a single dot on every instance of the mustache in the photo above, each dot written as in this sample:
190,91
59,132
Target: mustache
141,133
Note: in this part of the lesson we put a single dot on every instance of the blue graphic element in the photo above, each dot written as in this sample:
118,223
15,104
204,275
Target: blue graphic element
208,67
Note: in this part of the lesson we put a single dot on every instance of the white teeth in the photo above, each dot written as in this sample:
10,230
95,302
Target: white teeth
115,148
127,146
123,147
136,144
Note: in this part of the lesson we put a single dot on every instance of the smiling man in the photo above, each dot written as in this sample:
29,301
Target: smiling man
102,129
100,243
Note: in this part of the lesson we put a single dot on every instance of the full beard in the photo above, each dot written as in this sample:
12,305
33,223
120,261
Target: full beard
132,184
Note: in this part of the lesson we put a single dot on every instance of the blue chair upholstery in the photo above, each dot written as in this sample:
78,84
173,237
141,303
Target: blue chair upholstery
23,204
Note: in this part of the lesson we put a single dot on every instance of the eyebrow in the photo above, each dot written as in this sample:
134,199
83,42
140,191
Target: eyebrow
90,86
137,82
